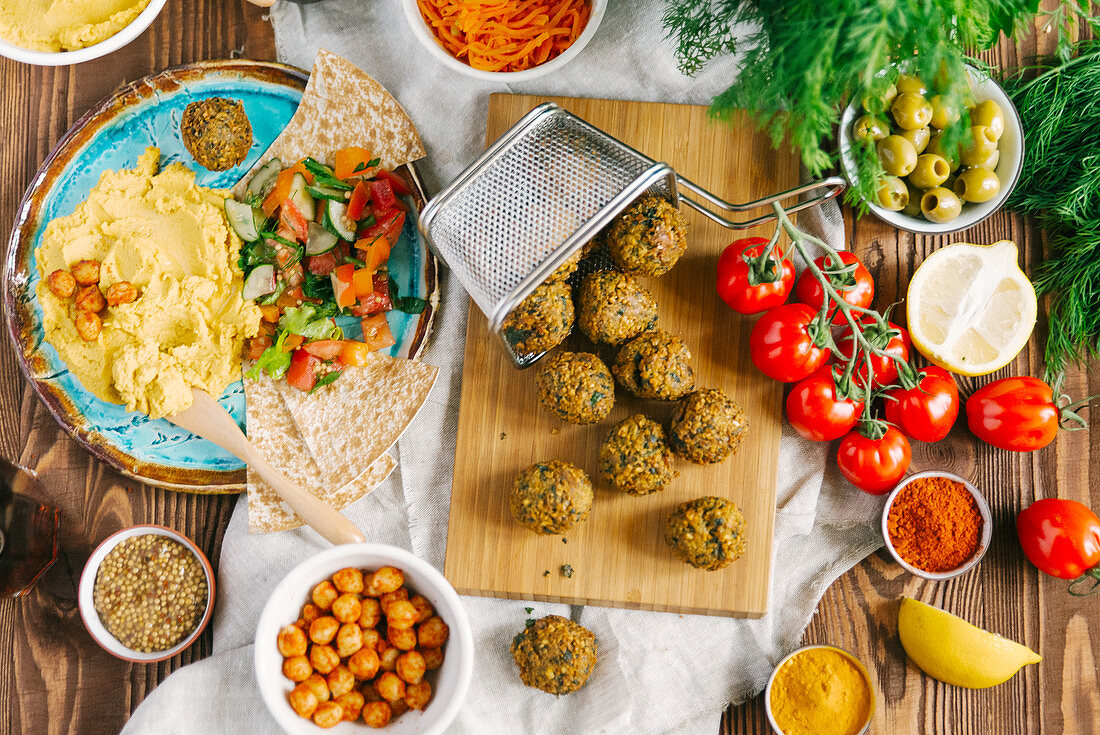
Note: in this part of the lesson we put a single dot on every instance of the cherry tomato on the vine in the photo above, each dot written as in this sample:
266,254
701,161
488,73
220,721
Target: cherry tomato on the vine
928,411
1018,414
1061,537
885,368
808,291
735,276
781,344
874,465
816,411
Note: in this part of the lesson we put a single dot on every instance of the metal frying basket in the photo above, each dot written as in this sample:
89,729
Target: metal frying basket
544,189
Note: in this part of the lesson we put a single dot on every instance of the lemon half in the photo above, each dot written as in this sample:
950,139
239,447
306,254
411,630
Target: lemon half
952,650
970,308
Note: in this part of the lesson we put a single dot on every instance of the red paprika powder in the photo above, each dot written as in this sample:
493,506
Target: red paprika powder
934,524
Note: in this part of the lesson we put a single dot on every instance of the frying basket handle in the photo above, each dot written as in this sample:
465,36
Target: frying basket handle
832,187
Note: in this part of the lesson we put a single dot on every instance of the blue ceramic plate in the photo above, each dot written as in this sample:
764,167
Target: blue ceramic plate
111,136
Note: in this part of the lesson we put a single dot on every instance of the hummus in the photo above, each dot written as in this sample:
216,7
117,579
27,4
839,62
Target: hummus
169,237
65,25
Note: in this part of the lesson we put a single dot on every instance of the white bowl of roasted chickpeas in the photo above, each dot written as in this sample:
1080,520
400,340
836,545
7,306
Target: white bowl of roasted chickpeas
364,635
931,188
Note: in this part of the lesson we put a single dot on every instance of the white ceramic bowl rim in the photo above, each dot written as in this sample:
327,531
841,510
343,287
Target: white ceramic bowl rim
86,599
859,664
427,39
983,508
60,58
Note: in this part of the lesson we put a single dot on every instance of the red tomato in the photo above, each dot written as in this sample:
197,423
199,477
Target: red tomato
396,182
816,411
292,217
781,346
325,349
358,202
302,373
381,195
1018,414
747,291
885,368
257,345
323,264
376,332
861,294
874,465
377,301
928,411
1061,537
342,288
387,224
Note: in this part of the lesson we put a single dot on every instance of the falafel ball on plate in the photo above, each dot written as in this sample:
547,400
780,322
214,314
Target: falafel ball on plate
542,321
554,654
655,365
576,387
707,426
708,532
635,458
551,497
613,307
216,132
648,238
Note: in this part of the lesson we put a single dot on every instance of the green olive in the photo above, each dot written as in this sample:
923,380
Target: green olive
892,194
908,84
977,184
988,114
992,161
931,171
943,114
897,155
978,146
940,205
879,101
912,209
911,111
869,127
919,137
936,146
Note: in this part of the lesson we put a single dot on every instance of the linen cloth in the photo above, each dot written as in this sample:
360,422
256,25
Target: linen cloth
657,672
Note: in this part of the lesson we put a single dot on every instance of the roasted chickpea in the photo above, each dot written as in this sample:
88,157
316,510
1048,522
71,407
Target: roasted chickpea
346,608
411,667
310,612
386,579
911,111
323,630
402,638
324,594
977,184
371,637
349,639
369,695
978,146
349,579
433,657
364,664
400,614
88,325
423,608
328,714
297,668
387,660
390,597
892,194
417,695
909,84
870,128
324,658
939,148
90,299
352,703
122,292
302,700
340,680
943,114
919,137
370,613
377,714
897,155
319,686
86,272
61,283
292,641
988,114
390,686
399,707
433,633
931,171
940,205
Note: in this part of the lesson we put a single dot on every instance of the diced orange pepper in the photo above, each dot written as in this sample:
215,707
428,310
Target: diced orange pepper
300,168
342,284
349,159
270,312
355,353
375,252
281,190
293,342
363,282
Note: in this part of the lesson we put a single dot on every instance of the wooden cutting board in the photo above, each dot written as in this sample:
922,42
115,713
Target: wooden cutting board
618,554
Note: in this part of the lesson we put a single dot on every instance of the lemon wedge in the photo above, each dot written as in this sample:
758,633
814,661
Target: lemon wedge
970,308
948,648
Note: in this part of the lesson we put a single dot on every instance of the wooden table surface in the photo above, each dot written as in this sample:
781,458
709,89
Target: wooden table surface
54,679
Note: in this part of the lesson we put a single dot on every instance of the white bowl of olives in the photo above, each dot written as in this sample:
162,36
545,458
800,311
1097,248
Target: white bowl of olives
928,189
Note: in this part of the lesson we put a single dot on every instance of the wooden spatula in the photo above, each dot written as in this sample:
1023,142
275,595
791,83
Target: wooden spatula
208,419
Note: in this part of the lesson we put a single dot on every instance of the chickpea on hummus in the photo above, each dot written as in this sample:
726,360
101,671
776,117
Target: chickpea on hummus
156,307
65,25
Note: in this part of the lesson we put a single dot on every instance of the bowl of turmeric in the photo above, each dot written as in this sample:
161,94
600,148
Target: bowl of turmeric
936,525
819,689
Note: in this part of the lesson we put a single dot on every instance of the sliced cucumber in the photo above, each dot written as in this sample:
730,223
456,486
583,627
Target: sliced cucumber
264,179
301,197
337,222
242,218
326,192
260,281
320,240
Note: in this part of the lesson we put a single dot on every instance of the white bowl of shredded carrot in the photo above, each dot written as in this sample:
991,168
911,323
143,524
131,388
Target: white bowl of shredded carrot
504,40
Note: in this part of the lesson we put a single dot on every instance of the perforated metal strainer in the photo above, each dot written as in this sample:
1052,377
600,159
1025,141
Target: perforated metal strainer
545,189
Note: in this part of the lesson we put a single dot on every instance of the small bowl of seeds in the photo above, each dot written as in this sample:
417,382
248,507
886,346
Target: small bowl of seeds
146,593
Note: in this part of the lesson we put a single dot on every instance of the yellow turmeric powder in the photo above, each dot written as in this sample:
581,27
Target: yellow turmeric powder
820,690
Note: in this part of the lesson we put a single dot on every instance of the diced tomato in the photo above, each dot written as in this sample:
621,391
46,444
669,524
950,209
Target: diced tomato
381,195
355,353
363,282
257,345
375,253
293,342
326,349
342,284
388,224
267,329
269,312
376,332
293,296
393,229
349,159
292,217
302,373
358,202
378,300
322,265
396,182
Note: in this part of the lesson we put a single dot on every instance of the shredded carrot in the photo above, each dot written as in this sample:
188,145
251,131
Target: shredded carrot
505,35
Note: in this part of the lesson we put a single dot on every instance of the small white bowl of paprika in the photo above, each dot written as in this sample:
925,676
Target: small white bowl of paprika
819,689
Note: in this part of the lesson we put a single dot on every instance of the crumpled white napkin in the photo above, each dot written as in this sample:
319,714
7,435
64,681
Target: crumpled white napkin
657,672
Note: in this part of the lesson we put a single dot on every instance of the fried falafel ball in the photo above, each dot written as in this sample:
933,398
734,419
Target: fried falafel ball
551,497
576,387
542,321
648,238
216,132
634,457
554,654
707,426
655,365
613,307
708,532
